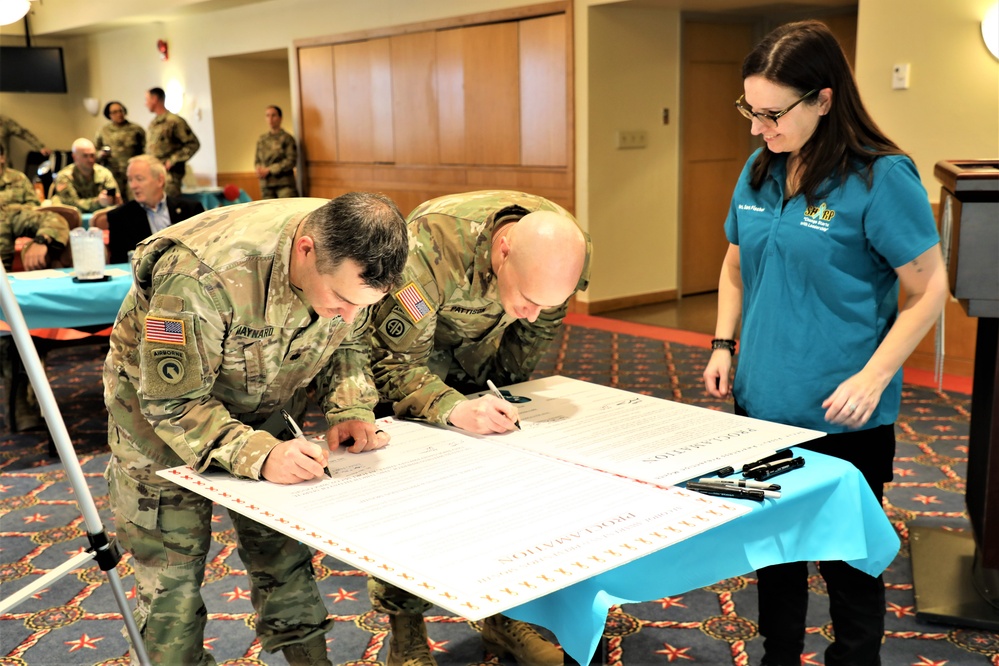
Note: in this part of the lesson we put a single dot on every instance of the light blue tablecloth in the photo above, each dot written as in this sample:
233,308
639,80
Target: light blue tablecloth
826,512
63,303
212,198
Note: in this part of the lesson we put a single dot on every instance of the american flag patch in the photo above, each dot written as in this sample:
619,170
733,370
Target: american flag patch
412,300
169,331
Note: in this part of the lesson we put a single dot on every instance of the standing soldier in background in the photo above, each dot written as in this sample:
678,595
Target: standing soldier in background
125,139
14,186
276,158
10,127
84,184
170,140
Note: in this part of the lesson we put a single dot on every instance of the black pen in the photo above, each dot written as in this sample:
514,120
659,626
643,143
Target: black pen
297,432
780,455
726,491
496,392
773,469
770,491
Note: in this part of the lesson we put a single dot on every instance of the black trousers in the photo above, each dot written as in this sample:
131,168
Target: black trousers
856,600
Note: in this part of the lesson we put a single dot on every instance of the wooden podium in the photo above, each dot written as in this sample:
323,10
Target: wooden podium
955,575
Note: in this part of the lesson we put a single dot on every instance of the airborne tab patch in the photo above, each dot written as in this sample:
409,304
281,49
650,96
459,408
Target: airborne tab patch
167,331
413,301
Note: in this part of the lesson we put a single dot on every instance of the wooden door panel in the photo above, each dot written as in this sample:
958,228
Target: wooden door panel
414,98
492,94
703,245
712,128
451,95
363,83
543,91
318,103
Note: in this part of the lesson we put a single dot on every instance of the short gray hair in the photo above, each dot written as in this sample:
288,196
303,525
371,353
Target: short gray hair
155,166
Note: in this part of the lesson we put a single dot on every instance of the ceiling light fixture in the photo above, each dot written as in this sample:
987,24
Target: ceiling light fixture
12,11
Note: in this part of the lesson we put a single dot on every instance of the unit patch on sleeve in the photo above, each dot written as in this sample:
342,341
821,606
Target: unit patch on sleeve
166,331
413,301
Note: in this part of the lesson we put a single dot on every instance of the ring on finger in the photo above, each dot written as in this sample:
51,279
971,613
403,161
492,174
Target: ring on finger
851,408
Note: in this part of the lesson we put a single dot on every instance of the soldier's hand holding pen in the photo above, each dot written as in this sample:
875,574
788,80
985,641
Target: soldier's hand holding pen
484,415
295,460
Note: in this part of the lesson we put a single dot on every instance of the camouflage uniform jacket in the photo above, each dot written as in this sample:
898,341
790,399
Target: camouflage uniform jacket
446,326
72,188
212,341
10,127
277,152
17,220
170,139
125,141
16,188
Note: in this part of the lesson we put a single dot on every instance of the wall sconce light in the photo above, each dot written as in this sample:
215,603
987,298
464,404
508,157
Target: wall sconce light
161,46
12,11
92,105
990,29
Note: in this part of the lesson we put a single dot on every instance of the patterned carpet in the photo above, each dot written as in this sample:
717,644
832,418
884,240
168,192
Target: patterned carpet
75,621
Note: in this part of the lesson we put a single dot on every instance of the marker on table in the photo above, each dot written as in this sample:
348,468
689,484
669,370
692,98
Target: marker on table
741,483
297,432
780,455
719,490
496,392
768,470
770,491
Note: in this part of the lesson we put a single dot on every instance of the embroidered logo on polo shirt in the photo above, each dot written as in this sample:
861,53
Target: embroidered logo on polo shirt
818,217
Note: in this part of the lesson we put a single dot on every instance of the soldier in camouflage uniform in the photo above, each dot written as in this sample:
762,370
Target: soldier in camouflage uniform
276,158
10,127
485,289
51,234
233,316
84,184
14,186
170,140
125,139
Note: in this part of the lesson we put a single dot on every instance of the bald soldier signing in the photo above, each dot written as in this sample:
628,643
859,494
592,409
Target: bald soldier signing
233,315
485,289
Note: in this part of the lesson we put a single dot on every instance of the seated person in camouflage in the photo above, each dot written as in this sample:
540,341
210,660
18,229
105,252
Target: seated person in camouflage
84,184
50,234
275,159
235,315
485,289
15,187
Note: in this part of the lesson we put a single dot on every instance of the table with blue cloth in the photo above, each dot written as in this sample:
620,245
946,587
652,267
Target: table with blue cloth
826,512
213,197
60,302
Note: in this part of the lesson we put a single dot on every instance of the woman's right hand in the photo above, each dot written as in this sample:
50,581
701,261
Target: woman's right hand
717,374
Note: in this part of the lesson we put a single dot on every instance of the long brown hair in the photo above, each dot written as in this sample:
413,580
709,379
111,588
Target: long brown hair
804,56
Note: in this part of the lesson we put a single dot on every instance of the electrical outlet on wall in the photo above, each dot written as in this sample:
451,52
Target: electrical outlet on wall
627,139
900,77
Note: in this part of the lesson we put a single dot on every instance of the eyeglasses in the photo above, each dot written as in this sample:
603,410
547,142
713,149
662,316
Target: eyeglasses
768,119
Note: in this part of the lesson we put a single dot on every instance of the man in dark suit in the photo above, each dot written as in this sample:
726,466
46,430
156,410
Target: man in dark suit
149,211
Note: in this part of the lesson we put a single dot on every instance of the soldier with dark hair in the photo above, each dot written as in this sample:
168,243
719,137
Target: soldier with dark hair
234,316
123,140
275,158
170,140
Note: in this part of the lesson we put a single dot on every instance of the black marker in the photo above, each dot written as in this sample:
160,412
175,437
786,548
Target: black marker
726,491
780,455
773,469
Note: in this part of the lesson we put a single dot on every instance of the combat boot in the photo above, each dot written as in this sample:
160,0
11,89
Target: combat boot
503,636
310,653
408,641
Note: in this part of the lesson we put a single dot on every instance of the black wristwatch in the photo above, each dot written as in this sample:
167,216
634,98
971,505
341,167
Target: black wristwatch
719,343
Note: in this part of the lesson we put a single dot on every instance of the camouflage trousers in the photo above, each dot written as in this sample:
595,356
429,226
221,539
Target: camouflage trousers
174,181
278,191
387,598
167,529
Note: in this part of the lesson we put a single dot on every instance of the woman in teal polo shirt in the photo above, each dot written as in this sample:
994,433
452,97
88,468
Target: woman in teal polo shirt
825,222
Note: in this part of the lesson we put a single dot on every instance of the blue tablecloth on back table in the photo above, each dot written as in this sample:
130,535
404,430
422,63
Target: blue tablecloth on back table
212,197
63,303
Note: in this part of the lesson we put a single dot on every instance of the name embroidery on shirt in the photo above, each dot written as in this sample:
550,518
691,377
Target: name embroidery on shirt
752,207
818,217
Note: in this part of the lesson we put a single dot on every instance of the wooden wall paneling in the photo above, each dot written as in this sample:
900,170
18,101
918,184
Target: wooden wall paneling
245,180
451,95
492,94
318,103
544,94
363,83
414,98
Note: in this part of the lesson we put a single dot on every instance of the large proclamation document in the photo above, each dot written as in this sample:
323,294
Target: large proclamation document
478,525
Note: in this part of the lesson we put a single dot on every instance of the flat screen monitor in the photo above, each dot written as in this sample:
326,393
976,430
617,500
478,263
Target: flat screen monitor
32,69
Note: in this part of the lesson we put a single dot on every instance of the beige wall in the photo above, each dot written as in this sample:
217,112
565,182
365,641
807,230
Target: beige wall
632,65
951,110
242,88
